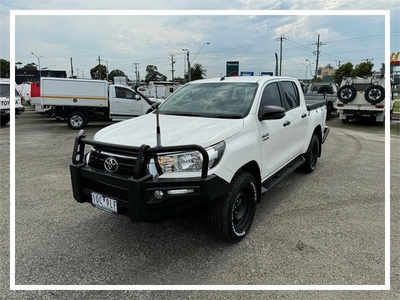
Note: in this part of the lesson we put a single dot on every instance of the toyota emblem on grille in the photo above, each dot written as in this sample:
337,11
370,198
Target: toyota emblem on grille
111,164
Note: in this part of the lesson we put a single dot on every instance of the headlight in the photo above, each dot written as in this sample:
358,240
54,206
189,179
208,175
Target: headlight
190,161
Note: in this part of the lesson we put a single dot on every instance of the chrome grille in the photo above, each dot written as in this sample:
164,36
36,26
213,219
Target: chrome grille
126,162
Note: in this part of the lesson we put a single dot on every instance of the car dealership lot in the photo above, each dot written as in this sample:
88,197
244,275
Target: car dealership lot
325,228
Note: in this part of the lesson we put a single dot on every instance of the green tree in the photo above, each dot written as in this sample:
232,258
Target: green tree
153,74
31,66
197,72
115,73
4,68
99,72
343,71
363,69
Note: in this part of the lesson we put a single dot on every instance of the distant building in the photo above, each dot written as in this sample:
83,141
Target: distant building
22,76
326,73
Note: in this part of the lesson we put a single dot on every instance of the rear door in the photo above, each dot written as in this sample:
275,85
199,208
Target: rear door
124,103
297,115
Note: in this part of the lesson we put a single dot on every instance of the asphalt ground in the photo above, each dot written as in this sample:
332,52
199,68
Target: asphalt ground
324,228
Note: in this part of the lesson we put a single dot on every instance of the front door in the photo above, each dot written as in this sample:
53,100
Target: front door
125,104
275,134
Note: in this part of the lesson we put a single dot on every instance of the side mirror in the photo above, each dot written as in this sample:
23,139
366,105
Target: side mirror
137,97
271,112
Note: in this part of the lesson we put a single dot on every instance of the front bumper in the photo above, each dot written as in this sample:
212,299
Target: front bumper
135,195
5,112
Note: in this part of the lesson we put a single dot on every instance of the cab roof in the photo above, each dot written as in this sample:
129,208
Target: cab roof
250,79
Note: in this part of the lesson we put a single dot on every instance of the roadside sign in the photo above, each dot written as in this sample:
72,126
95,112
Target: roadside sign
232,68
246,73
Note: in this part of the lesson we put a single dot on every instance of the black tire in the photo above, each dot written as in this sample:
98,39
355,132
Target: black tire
76,120
323,90
374,94
4,120
329,109
346,93
231,215
311,155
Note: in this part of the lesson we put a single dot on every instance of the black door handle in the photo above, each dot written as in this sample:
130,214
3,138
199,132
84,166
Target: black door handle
304,115
286,123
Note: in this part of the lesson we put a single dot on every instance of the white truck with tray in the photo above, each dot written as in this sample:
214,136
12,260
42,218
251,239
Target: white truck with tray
79,101
218,144
5,97
363,97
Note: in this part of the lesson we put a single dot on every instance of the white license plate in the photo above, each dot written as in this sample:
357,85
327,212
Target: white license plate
104,202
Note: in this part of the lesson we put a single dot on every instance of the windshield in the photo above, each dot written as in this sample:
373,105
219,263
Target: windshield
5,90
215,100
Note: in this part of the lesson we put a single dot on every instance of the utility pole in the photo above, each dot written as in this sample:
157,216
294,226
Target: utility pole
184,65
99,71
107,70
77,73
338,64
189,70
72,70
136,72
172,63
281,38
318,53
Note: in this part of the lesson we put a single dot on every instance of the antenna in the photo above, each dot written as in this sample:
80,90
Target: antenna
158,130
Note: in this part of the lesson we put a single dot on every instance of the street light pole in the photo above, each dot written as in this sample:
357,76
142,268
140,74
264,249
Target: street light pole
38,58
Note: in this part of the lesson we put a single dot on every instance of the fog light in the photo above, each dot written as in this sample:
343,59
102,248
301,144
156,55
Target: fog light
180,192
158,194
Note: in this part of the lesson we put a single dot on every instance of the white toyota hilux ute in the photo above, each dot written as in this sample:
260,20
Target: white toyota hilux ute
215,143
5,97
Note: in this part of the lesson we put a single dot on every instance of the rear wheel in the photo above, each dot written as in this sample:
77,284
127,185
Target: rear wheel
329,109
311,155
76,120
231,215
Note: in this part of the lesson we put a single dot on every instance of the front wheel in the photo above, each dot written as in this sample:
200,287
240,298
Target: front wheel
4,120
231,215
311,155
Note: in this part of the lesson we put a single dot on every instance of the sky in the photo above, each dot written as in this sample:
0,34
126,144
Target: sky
126,42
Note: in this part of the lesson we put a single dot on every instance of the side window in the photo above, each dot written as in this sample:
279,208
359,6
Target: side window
291,95
124,93
271,96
